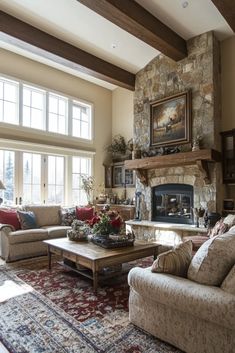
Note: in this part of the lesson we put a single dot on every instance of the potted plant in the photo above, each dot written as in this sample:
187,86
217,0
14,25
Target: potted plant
118,148
88,184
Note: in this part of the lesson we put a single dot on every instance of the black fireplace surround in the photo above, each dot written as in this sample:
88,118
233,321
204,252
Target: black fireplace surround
172,203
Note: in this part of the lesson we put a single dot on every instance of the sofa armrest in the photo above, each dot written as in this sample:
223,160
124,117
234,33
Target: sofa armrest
3,226
205,302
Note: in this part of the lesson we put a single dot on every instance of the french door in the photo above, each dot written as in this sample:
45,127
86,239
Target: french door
32,178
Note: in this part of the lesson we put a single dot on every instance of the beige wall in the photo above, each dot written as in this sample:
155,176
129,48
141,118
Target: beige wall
228,83
122,113
122,123
28,70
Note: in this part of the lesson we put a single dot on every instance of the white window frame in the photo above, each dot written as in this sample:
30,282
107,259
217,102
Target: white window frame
44,150
69,135
82,105
17,103
21,105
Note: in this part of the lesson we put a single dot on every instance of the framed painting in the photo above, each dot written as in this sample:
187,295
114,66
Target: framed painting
170,120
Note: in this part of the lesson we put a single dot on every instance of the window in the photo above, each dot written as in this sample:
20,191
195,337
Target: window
57,114
80,165
81,120
9,101
34,178
44,110
7,176
55,180
33,108
31,178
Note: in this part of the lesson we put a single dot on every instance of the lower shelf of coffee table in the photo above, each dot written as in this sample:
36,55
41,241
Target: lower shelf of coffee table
105,273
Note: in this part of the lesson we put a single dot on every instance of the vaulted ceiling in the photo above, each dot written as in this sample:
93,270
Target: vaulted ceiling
108,41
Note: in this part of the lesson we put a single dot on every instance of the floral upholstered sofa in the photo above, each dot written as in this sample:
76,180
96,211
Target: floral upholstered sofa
195,313
51,222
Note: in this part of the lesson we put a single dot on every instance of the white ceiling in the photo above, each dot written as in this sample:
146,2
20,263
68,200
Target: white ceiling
78,25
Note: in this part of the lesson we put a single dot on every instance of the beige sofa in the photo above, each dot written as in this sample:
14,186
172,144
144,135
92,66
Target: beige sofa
197,313
15,245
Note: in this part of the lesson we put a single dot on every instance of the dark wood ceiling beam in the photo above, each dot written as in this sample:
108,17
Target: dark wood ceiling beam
133,18
227,10
25,36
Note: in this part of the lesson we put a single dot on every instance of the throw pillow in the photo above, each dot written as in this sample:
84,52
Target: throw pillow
84,213
219,228
27,220
175,261
228,284
10,217
230,220
68,215
213,260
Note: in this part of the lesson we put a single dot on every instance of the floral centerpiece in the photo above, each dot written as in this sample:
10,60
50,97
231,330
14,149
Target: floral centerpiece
79,231
107,223
109,231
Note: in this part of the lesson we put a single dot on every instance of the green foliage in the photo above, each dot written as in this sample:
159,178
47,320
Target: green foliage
118,145
103,227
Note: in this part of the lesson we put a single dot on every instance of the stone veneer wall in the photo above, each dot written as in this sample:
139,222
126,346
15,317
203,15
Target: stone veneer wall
163,77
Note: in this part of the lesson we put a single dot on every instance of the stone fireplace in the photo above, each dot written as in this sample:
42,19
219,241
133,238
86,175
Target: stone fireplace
161,78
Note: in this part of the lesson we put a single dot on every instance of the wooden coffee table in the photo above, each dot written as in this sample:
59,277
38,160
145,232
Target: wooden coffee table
96,258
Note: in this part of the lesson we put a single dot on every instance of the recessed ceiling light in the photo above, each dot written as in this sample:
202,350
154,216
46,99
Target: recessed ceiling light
113,45
184,4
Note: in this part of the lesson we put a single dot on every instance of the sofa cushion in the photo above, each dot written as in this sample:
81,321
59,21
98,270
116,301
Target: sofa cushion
228,284
27,220
29,235
8,216
213,260
68,215
219,228
175,261
84,213
46,215
56,231
230,220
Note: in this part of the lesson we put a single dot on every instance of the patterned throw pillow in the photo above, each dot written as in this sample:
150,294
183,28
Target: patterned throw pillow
68,215
27,220
228,284
213,260
84,213
219,228
175,261
10,217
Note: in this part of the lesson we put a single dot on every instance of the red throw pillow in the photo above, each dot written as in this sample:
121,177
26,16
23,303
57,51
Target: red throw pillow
84,213
10,217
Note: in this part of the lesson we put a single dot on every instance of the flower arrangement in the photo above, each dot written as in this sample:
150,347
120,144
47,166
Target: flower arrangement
106,223
88,184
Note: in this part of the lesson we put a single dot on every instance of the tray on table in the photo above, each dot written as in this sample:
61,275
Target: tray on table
111,243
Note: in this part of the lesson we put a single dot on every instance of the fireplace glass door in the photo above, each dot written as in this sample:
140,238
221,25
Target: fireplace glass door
172,203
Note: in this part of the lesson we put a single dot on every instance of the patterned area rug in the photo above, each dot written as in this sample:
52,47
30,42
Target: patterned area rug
57,311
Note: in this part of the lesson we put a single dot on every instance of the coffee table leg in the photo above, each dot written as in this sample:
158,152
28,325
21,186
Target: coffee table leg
49,258
95,281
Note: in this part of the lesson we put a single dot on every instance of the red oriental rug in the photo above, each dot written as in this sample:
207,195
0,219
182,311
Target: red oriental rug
44,311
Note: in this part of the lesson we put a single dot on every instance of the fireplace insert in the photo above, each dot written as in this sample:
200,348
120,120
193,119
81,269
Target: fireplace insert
172,203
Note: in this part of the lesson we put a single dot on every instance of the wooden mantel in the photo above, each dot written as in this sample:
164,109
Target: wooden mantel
200,158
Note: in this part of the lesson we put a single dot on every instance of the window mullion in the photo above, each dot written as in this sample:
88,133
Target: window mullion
44,178
20,105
